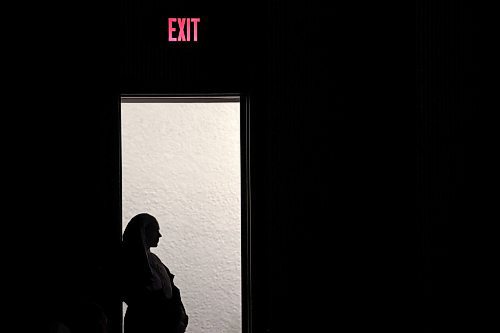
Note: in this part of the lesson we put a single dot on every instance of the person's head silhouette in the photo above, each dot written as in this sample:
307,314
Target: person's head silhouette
152,233
143,231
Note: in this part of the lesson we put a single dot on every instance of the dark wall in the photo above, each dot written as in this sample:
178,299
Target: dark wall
358,152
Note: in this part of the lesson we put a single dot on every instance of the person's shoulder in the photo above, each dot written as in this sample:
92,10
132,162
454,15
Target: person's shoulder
154,257
157,260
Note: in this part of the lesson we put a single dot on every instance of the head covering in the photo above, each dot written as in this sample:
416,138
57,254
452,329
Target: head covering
135,255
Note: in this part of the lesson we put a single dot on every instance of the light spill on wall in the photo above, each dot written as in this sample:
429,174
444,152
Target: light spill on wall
181,163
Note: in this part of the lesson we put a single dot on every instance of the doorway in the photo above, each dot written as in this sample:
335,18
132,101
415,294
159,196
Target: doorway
184,161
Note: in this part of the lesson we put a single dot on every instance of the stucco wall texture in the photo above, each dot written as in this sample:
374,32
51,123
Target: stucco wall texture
181,163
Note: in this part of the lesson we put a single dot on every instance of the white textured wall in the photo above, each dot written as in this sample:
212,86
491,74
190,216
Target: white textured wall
181,163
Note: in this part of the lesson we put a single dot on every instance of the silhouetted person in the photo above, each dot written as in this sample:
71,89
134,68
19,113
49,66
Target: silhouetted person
154,302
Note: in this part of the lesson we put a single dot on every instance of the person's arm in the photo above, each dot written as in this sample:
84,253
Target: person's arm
177,295
154,284
165,276
167,287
